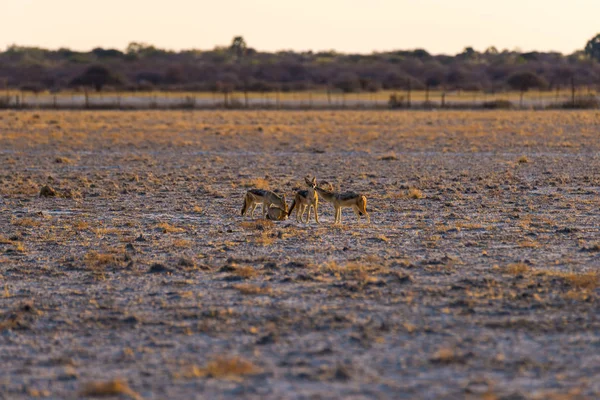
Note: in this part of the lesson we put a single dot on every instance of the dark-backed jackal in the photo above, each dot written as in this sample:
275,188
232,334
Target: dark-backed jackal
275,213
306,199
356,201
254,197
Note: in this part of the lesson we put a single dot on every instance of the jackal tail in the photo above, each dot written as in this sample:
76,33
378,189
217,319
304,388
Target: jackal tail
246,203
292,207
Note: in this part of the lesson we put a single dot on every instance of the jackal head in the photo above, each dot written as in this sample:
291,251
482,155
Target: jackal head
277,213
324,185
311,183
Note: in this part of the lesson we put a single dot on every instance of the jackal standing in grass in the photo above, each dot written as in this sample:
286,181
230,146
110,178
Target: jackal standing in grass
267,198
356,201
306,199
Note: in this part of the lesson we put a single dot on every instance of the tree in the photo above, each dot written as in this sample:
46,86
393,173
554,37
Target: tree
524,81
96,76
347,82
106,53
434,77
592,48
238,47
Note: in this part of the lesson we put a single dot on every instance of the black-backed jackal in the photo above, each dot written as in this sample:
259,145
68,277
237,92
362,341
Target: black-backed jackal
275,213
356,201
254,197
306,199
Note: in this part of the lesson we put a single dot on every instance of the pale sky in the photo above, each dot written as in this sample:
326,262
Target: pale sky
350,26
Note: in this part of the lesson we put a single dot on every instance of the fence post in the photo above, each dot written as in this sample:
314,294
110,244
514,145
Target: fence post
573,92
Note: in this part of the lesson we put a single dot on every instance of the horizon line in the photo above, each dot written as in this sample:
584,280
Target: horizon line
517,50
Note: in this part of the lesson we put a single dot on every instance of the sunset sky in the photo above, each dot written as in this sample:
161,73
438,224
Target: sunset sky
439,26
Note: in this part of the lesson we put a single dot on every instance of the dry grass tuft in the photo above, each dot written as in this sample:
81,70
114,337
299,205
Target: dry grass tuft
245,272
20,247
182,243
63,160
248,289
25,222
362,273
591,247
523,160
256,183
80,225
233,368
587,280
414,193
264,239
167,228
115,387
259,224
518,268
95,259
528,244
47,191
445,355
391,156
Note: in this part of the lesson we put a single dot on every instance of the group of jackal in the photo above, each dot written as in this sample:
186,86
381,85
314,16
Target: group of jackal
274,206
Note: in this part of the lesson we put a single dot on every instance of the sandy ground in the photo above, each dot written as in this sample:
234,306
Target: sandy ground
477,278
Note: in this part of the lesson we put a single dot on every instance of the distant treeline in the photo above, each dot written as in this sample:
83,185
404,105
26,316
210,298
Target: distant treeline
237,67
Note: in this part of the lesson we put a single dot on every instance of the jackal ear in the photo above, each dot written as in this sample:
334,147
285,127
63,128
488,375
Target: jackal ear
314,180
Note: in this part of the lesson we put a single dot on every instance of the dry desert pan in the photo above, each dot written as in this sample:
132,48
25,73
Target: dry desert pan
477,277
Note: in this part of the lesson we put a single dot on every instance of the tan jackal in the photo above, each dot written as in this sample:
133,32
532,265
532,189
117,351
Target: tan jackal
254,197
356,201
306,199
275,213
